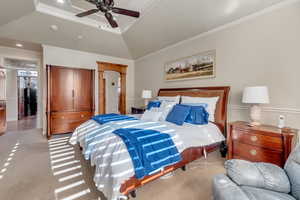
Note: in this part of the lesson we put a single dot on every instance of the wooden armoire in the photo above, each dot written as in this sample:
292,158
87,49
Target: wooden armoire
70,99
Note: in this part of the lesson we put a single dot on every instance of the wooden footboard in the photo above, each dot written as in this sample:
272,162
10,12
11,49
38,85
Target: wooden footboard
188,156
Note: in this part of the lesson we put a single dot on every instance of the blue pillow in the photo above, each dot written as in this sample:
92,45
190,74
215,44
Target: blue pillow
198,115
205,105
153,104
178,114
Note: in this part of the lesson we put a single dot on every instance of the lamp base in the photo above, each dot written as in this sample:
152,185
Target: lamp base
255,115
146,102
254,124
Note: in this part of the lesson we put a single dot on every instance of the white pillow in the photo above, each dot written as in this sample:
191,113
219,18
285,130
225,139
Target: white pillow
164,98
150,115
165,108
210,101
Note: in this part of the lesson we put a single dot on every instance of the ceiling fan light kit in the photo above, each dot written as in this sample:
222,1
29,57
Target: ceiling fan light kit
107,7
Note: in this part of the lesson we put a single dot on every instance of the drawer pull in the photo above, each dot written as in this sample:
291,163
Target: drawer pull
63,117
253,152
82,116
253,138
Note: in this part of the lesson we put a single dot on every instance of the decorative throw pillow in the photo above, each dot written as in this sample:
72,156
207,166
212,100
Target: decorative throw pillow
150,115
198,115
165,108
153,104
210,101
178,114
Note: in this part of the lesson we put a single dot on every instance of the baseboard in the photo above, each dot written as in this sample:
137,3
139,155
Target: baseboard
11,119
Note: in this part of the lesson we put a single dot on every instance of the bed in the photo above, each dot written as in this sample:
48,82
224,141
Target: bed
191,146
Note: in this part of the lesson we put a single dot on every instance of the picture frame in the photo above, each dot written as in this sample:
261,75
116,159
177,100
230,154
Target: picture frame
198,66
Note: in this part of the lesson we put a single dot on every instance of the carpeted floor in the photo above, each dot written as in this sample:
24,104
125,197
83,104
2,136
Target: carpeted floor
33,168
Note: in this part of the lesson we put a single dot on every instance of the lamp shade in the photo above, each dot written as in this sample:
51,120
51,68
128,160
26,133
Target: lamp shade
147,94
256,95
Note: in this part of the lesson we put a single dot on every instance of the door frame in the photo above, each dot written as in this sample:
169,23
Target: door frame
3,103
122,69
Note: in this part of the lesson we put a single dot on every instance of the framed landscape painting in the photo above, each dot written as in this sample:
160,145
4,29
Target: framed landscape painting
202,65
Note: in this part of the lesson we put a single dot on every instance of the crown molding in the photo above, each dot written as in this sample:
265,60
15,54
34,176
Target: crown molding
225,26
51,10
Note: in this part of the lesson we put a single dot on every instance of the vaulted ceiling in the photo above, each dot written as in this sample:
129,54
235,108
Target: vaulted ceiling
162,23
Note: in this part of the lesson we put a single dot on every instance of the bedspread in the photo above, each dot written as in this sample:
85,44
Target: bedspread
150,150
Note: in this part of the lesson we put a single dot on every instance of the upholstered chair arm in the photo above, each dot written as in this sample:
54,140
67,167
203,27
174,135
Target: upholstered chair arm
226,189
259,175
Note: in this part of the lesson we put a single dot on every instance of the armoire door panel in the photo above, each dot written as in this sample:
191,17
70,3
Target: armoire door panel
62,91
83,88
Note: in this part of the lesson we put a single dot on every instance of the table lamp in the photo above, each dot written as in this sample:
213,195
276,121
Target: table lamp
146,94
256,96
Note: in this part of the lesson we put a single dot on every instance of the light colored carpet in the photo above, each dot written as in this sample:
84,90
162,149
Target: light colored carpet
28,173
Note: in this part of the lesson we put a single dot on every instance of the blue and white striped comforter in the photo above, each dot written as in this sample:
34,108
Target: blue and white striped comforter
109,154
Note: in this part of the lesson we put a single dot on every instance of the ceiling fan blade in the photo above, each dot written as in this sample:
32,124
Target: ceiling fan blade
111,20
122,11
92,1
86,13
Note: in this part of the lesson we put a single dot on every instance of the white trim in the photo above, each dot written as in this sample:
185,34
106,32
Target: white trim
268,109
12,119
225,26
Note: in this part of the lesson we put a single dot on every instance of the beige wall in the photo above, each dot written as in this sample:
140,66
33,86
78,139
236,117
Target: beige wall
72,58
262,50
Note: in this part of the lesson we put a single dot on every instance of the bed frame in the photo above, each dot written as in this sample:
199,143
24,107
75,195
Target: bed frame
190,154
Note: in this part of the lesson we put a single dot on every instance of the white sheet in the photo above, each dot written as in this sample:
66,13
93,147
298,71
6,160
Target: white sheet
197,135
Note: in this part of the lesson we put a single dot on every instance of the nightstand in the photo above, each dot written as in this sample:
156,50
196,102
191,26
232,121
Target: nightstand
135,110
262,143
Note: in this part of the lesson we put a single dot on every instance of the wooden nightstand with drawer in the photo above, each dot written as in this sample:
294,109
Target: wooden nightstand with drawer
260,143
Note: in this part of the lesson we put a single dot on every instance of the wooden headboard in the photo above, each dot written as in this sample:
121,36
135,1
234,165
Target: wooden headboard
221,92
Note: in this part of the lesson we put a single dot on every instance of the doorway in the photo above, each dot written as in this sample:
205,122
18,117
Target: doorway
22,92
27,94
112,87
112,77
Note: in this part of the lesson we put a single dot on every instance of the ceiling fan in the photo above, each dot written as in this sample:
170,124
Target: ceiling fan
107,7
